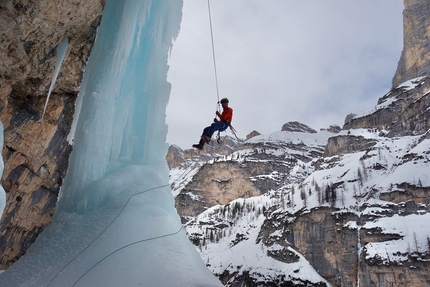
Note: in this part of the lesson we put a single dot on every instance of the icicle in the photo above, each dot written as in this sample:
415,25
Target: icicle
61,52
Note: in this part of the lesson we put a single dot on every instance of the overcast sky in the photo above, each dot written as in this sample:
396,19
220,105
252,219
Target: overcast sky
312,61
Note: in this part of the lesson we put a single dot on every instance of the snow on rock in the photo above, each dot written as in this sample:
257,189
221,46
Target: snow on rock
392,96
371,195
227,234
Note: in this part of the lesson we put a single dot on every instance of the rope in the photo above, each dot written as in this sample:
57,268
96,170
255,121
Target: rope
216,75
233,131
97,237
213,52
125,246
113,220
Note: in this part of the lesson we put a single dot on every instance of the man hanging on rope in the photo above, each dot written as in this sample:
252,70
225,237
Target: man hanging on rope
218,125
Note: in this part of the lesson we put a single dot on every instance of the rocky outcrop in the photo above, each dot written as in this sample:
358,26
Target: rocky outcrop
35,150
252,134
402,112
254,170
336,258
334,129
226,145
347,144
413,275
335,261
297,127
175,156
32,175
414,118
415,58
214,184
31,30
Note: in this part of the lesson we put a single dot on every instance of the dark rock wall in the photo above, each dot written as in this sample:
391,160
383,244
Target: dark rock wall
35,150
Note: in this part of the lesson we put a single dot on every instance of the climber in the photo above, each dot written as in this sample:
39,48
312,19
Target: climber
218,125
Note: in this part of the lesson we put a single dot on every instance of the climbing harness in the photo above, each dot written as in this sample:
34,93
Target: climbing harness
218,137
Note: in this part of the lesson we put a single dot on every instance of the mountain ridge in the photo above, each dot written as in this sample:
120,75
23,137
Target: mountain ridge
361,194
34,169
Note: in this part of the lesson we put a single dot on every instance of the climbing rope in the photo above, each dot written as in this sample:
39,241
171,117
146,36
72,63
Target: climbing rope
216,75
233,131
213,52
123,247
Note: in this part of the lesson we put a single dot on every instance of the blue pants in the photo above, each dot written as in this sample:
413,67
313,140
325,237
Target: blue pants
218,126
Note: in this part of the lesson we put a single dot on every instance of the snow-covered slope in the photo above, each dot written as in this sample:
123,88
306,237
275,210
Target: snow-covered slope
346,209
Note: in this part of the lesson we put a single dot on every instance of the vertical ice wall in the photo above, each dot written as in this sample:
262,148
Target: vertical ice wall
121,108
115,223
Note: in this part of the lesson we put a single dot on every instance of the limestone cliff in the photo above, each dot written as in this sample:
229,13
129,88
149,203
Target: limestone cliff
35,150
329,205
415,59
256,169
212,185
401,112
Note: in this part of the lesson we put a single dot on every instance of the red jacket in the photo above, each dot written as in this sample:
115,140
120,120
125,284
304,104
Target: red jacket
227,114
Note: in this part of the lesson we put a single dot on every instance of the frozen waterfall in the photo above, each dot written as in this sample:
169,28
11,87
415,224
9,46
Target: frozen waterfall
115,223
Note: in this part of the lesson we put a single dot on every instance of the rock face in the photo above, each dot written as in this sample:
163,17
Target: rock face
252,134
347,144
402,112
297,127
334,261
325,205
334,129
415,59
177,157
36,151
214,184
255,170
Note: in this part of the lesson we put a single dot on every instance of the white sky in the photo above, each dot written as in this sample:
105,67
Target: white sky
279,61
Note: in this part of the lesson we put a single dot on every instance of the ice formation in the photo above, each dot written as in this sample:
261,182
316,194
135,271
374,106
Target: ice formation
115,223
61,52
